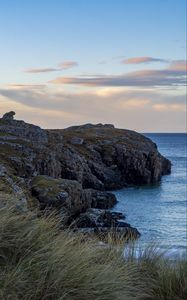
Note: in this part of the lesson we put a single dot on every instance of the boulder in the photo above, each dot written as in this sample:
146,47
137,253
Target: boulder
101,199
9,116
99,218
104,223
58,193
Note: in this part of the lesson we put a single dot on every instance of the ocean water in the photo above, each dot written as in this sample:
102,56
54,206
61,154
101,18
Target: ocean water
159,211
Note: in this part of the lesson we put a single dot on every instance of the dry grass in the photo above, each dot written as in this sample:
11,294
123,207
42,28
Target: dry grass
38,261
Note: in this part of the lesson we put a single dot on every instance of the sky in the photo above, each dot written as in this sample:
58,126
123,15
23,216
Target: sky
68,62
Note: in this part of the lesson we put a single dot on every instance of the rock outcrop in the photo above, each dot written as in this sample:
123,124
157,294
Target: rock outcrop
9,116
58,193
72,169
104,222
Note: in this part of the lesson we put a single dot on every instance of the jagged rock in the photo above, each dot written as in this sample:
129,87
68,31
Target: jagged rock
101,200
111,158
9,185
21,129
58,193
104,222
9,116
99,218
69,194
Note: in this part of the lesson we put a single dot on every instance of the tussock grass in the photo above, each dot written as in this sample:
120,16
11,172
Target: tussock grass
37,261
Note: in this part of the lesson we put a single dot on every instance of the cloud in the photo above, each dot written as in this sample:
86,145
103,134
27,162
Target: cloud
142,60
62,66
44,70
179,65
104,99
163,107
137,109
174,75
67,65
23,86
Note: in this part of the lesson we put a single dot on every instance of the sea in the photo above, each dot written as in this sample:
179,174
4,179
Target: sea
159,211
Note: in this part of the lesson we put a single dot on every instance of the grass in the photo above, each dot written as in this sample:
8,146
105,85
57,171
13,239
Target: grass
51,185
40,262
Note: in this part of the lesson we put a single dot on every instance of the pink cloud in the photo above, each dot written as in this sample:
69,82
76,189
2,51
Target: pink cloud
142,59
178,65
42,70
62,66
20,86
67,65
171,76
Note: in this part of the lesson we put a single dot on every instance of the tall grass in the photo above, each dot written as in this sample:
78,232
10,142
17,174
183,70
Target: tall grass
39,262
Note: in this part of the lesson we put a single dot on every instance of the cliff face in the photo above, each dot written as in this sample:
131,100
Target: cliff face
84,160
97,156
103,157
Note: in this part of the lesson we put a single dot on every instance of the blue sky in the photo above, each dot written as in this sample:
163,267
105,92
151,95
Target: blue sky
75,61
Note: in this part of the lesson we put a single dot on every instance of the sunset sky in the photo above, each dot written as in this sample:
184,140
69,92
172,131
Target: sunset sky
67,62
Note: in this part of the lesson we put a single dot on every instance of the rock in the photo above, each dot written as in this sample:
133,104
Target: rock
59,193
69,194
90,126
9,116
123,224
101,200
98,218
2,171
111,158
76,141
62,195
103,223
21,129
11,187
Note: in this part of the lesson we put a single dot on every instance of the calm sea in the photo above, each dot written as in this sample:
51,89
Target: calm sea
159,211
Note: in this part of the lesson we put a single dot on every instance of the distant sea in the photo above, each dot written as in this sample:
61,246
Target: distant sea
159,211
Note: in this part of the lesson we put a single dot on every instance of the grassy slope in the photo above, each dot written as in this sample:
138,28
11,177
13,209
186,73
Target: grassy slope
39,262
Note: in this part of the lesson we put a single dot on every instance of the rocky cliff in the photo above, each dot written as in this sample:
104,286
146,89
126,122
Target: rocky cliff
71,169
